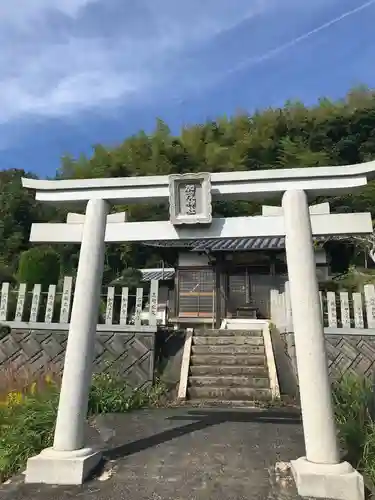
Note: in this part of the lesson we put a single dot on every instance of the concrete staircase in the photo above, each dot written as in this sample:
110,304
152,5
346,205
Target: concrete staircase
228,368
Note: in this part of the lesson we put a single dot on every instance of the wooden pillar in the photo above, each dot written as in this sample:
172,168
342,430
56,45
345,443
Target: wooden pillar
218,296
176,291
272,264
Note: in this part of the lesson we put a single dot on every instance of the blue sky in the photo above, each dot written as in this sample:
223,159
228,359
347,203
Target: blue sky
78,72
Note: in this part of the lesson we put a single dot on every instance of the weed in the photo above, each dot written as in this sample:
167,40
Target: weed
29,408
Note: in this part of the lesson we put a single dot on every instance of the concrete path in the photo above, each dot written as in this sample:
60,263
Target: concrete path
186,454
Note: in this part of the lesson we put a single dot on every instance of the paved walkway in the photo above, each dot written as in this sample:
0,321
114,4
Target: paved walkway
186,454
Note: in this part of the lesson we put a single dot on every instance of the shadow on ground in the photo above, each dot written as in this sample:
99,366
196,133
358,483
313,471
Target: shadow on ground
202,420
185,454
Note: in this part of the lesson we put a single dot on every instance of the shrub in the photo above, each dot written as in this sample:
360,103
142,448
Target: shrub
39,265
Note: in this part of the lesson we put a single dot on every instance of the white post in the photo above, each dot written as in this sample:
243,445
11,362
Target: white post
35,303
124,305
345,309
50,304
331,309
4,301
320,472
20,302
72,411
138,307
358,310
65,299
153,303
110,305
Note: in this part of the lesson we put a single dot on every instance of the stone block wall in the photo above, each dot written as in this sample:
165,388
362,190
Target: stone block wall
130,354
346,354
350,353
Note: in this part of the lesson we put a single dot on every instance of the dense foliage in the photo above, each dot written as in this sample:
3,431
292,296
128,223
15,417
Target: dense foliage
330,133
39,265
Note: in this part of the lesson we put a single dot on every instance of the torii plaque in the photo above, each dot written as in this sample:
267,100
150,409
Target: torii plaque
190,199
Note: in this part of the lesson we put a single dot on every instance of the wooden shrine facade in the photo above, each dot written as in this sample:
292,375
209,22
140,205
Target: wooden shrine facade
218,279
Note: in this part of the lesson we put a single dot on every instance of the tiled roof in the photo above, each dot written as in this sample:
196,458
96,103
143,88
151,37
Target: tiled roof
230,244
233,244
157,274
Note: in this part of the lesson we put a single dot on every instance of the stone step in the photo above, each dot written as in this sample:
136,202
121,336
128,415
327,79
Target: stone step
235,370
228,333
229,393
228,359
228,349
227,340
229,381
220,403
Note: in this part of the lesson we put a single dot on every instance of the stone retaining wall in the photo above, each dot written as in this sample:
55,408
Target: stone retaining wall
346,354
130,354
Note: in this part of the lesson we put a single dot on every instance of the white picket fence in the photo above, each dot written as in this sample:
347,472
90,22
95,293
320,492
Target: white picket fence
30,313
342,312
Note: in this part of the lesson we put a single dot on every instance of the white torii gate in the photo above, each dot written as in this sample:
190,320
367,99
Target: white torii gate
320,474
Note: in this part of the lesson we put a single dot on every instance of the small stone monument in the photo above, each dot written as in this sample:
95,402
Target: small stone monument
190,198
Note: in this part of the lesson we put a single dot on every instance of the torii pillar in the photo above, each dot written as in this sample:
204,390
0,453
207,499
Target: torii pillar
69,461
320,474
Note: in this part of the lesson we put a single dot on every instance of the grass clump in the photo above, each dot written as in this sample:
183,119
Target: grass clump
109,394
26,427
28,410
354,411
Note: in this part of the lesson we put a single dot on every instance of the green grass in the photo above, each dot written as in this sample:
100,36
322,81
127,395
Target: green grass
109,394
354,403
26,428
27,417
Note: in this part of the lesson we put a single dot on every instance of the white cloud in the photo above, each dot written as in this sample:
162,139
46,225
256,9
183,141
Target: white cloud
21,13
60,57
63,78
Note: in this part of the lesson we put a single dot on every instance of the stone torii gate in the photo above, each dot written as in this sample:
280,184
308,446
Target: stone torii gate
320,474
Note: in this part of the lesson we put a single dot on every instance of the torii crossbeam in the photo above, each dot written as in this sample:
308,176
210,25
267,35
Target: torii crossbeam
230,227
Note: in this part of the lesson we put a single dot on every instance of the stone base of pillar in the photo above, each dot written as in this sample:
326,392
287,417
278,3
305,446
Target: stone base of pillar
62,467
339,481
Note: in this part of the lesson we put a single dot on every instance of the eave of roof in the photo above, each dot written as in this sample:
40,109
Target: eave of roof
232,244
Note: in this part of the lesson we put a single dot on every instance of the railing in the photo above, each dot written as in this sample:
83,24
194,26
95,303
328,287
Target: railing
341,311
53,307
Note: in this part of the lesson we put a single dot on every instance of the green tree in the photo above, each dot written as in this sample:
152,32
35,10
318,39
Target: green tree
18,210
39,265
